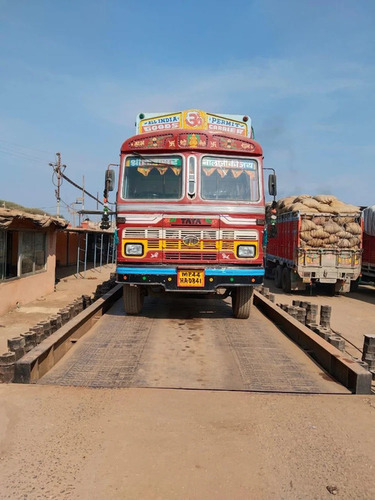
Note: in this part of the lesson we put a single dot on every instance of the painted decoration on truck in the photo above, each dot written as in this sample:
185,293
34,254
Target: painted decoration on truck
145,165
221,124
151,142
192,140
194,119
225,165
232,163
229,143
160,123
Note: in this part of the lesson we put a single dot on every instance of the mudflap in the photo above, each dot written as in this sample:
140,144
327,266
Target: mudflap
296,282
342,286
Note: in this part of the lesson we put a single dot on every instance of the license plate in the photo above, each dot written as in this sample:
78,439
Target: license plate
190,278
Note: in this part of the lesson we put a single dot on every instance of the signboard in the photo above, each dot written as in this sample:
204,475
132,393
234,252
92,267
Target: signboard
154,161
210,162
158,123
193,119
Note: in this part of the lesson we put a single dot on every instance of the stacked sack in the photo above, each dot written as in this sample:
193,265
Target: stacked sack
326,221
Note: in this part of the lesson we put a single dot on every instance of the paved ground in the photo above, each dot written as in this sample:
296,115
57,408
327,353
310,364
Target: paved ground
189,344
68,288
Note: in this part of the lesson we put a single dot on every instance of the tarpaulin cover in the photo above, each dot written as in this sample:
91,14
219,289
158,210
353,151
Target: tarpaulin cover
369,220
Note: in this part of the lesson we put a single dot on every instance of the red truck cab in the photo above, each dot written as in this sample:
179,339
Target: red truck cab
190,209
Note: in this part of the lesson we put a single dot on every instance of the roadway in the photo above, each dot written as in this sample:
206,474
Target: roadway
189,344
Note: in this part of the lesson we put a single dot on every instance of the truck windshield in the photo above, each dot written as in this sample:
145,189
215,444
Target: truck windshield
153,178
234,179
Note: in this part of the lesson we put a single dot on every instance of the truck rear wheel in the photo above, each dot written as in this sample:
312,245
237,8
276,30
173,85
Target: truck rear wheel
133,299
278,273
286,280
241,301
354,285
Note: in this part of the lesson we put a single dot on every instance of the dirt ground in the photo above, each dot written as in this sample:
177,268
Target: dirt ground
75,443
81,443
68,288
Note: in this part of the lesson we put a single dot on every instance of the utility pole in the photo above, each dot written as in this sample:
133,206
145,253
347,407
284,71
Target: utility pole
58,169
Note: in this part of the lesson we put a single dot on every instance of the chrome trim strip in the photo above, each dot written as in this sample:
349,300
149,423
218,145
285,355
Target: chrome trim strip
227,219
141,218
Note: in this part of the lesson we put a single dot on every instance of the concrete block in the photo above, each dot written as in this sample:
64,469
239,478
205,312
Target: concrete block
312,326
337,342
17,345
30,340
7,364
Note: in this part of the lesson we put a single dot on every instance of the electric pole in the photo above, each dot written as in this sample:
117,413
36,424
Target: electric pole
58,169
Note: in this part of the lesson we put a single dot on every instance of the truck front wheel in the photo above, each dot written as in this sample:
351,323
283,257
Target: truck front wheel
133,299
241,301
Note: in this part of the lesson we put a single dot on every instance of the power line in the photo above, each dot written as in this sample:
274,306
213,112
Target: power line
58,169
24,147
81,188
22,155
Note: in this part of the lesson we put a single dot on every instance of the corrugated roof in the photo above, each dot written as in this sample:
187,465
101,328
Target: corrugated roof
7,216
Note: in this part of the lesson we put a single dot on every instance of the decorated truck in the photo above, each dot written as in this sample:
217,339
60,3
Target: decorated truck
368,258
190,208
315,239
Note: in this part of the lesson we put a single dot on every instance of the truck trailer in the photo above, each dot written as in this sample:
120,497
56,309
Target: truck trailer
368,258
316,242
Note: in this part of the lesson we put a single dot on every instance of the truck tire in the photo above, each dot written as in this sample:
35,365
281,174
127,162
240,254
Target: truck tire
241,301
286,281
133,299
278,273
268,272
354,285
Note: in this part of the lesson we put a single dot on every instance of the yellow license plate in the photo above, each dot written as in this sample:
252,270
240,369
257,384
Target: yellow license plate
190,278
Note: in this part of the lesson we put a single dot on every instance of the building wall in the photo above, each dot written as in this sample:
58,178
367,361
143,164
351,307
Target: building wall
28,288
66,248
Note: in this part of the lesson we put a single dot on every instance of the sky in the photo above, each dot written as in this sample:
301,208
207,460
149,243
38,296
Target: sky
75,73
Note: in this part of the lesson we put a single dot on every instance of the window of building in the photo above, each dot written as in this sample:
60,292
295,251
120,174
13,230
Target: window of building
21,253
32,256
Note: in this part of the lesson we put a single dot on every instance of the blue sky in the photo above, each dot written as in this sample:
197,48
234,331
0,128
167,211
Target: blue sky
74,74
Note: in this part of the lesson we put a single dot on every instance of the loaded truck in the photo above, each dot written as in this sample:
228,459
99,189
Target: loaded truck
190,208
368,258
314,240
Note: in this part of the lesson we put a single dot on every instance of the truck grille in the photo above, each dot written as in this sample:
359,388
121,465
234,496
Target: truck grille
190,256
177,242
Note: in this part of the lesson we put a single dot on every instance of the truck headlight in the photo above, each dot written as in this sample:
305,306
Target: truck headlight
245,251
133,249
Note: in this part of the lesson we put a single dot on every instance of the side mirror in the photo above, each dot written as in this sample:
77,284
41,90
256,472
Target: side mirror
272,185
109,180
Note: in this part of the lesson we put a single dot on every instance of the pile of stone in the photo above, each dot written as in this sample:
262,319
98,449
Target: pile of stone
326,221
308,314
368,355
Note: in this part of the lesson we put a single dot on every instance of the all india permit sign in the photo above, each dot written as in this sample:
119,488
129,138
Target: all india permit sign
193,119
